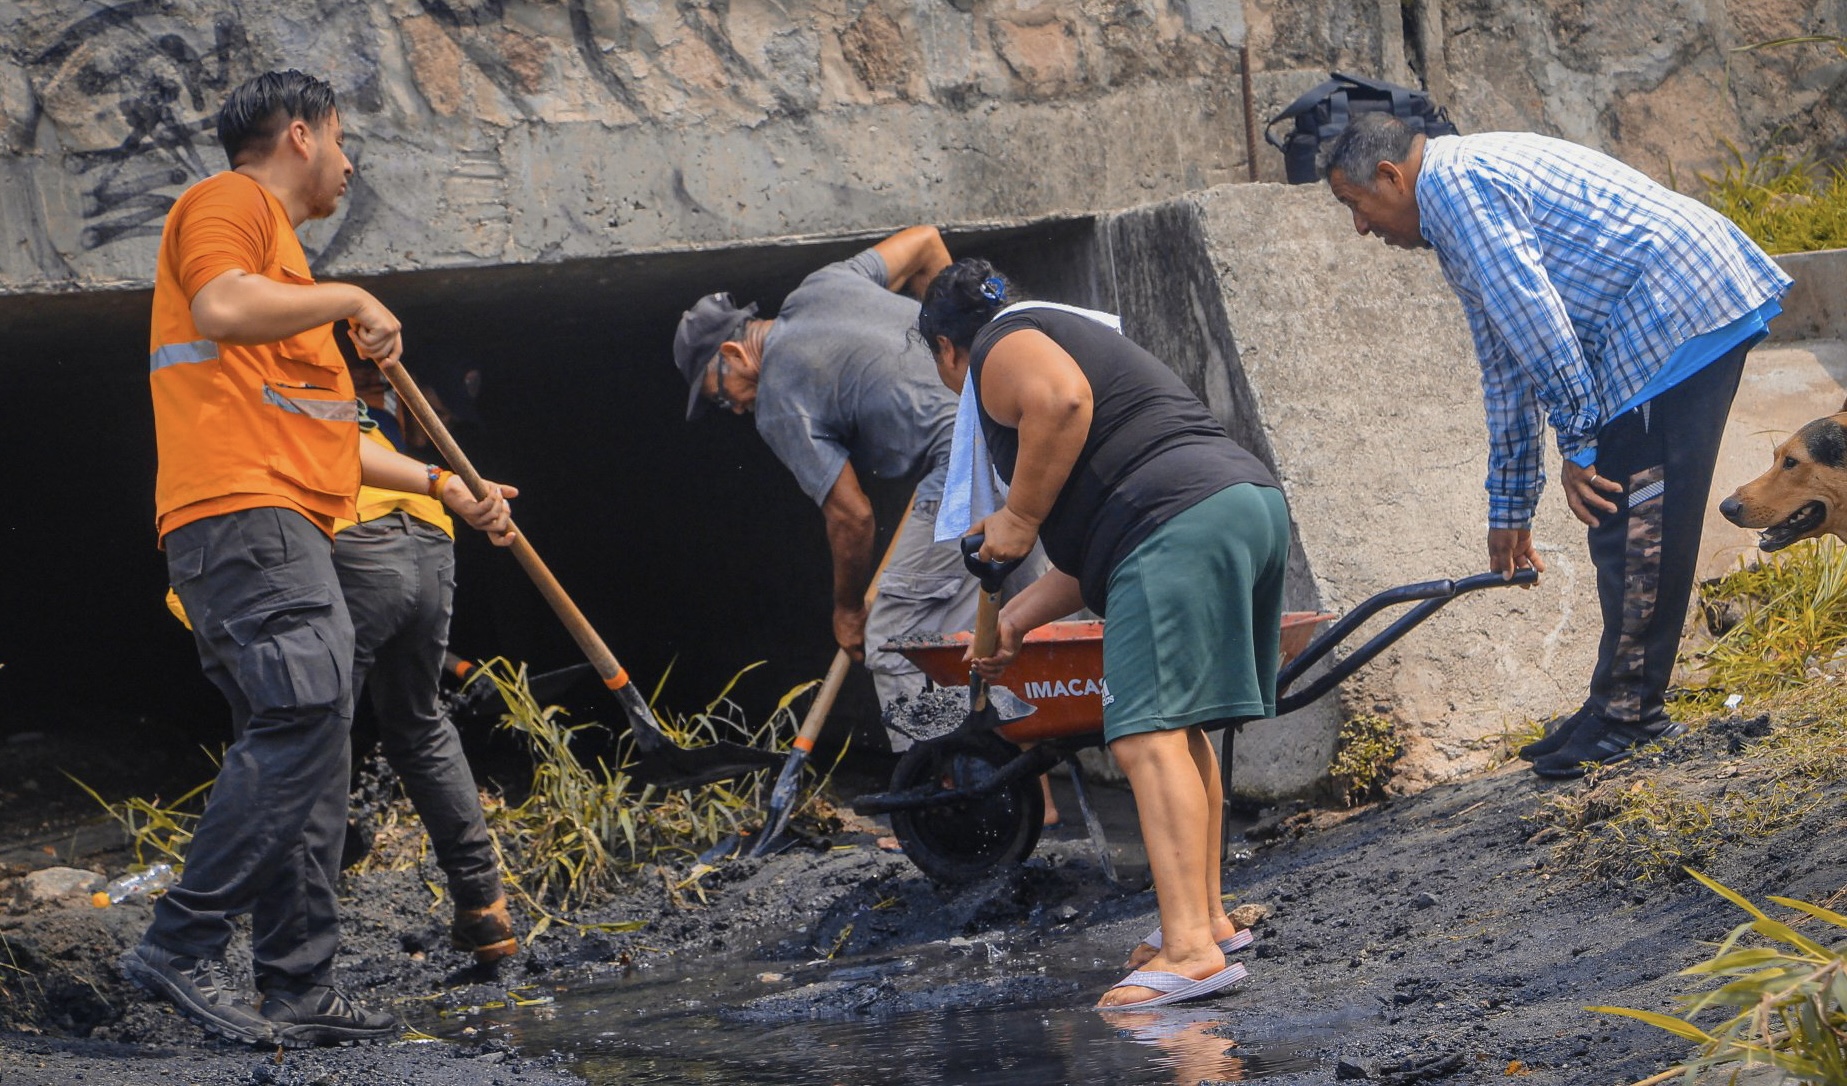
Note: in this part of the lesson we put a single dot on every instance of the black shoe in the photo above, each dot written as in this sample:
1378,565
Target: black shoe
320,1014
1600,741
1558,732
201,988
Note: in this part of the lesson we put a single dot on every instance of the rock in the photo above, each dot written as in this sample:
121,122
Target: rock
61,884
1424,900
1348,1069
1250,914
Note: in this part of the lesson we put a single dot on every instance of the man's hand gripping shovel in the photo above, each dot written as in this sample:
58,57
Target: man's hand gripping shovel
658,759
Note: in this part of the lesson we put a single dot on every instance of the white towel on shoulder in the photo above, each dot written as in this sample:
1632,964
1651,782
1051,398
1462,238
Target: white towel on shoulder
971,490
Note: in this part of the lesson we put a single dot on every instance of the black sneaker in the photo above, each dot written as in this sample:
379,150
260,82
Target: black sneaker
202,990
322,1015
1558,732
1600,741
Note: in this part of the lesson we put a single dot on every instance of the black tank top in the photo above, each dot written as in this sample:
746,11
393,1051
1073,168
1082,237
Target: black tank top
1153,450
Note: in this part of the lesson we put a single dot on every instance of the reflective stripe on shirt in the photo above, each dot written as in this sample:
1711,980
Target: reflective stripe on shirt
199,350
325,410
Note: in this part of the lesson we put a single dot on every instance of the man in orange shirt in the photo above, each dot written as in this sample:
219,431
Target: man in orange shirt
257,430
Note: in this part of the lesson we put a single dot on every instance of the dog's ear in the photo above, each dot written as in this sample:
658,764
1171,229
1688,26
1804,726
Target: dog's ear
1825,441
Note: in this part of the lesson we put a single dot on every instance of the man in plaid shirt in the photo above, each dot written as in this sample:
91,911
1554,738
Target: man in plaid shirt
1620,312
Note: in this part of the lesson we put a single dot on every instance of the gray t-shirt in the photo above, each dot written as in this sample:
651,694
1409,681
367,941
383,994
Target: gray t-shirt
843,376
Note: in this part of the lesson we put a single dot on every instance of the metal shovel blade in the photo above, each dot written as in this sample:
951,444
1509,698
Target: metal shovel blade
1009,706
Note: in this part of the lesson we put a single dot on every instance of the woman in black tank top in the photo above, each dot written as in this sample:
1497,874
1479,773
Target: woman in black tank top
1153,517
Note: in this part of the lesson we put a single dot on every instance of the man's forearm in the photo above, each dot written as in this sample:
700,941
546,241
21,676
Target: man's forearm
241,308
849,537
850,541
389,470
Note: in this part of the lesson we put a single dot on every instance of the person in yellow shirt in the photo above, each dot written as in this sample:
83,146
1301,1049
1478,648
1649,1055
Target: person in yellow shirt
256,427
396,562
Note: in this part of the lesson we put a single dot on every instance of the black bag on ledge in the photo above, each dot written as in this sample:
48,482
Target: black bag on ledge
1323,113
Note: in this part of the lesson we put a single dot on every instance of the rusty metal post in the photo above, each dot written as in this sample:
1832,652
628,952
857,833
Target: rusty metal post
1250,109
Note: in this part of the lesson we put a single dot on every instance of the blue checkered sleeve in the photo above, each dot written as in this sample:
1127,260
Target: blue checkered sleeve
1579,276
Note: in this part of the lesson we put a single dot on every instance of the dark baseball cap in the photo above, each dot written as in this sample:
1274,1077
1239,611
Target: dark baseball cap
713,320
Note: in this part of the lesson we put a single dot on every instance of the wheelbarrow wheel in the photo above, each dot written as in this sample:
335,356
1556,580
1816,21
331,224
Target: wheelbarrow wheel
962,841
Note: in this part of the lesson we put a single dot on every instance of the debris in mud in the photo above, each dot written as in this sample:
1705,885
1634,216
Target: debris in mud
929,713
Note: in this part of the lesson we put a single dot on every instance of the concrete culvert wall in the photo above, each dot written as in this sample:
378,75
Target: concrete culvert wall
1344,366
688,546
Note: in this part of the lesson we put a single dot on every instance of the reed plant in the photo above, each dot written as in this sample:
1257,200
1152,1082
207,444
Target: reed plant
1784,999
587,826
157,831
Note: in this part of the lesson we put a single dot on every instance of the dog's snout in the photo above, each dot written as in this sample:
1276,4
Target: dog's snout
1732,509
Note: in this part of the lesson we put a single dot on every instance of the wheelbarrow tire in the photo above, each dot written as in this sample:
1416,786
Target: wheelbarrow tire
956,843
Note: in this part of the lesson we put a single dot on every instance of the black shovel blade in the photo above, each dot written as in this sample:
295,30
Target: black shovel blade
684,767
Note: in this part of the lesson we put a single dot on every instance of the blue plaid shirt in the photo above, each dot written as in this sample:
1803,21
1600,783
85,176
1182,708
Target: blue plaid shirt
1579,276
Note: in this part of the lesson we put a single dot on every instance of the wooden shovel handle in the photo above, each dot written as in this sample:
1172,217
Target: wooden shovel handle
843,662
614,676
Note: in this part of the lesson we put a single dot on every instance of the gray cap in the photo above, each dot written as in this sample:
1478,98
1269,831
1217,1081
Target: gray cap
712,321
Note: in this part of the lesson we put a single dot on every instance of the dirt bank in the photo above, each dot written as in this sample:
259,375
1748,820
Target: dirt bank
1432,938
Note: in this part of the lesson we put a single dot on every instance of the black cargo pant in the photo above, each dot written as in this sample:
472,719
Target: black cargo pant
1647,552
274,637
398,576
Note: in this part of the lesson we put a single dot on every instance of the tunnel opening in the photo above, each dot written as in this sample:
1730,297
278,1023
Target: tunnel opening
688,546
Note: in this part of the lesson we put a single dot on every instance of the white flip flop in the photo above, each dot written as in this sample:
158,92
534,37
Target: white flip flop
1237,942
1173,987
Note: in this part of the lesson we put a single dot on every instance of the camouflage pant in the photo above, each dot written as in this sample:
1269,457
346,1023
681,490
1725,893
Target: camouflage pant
1647,552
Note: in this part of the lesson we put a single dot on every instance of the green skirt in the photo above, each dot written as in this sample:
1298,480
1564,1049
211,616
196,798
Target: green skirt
1195,617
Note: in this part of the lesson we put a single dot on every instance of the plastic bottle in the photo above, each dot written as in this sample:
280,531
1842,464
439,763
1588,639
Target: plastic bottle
134,885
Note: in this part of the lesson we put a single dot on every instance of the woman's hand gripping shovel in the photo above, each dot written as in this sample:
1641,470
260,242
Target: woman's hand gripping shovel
658,759
989,706
782,800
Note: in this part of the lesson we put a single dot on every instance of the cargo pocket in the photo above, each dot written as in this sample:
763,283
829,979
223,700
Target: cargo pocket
283,658
915,603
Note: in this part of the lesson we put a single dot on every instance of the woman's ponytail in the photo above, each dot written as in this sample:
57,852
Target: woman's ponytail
961,300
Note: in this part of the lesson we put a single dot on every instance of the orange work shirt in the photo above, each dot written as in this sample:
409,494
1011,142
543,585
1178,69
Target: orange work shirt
244,427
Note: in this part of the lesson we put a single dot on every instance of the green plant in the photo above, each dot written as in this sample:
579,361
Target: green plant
586,826
1363,757
1785,203
1788,1000
153,827
1788,618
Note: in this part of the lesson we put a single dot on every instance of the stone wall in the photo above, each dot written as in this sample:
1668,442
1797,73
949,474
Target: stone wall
501,131
509,131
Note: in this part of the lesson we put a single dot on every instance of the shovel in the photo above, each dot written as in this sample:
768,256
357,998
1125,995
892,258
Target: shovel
1006,705
658,759
782,799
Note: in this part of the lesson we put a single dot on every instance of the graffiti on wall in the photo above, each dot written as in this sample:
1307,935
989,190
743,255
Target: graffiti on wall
141,75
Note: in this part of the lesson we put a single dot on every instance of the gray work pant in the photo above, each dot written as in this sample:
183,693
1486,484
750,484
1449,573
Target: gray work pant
925,589
274,637
398,576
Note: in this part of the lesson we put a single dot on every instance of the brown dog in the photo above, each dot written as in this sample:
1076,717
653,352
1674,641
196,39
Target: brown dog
1804,494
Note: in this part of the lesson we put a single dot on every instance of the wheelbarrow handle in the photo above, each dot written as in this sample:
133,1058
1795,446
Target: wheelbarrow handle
1432,594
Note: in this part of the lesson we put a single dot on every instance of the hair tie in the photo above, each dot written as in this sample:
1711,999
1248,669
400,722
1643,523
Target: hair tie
993,290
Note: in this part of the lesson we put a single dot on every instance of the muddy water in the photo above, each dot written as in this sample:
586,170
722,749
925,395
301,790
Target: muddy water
831,1022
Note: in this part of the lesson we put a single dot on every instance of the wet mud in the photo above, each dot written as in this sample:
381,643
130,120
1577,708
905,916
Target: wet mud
1426,939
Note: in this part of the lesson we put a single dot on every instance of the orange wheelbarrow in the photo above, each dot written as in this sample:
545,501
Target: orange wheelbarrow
967,800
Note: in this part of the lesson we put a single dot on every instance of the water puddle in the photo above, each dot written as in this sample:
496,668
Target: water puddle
747,1022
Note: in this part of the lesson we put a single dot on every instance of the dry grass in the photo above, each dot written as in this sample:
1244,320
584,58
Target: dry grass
1782,659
